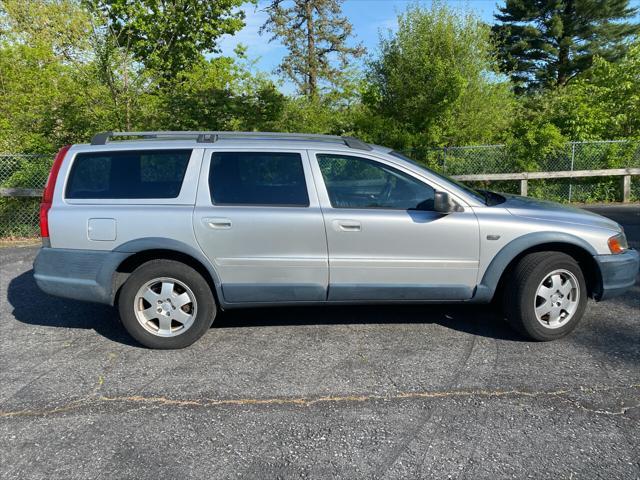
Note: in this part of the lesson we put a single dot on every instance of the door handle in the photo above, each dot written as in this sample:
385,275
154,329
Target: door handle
347,225
217,223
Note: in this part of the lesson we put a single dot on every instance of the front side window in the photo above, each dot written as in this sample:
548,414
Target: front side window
470,191
258,178
355,182
130,174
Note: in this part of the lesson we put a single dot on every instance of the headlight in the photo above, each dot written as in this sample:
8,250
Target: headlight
618,243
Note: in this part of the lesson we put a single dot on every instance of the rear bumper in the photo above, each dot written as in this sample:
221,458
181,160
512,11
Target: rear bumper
618,272
78,274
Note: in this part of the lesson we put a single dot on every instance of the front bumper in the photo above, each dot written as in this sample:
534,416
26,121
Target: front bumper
617,272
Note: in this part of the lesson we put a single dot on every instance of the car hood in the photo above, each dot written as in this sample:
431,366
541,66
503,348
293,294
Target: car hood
544,210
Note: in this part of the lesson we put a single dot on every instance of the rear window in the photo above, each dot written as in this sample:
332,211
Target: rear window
258,178
130,174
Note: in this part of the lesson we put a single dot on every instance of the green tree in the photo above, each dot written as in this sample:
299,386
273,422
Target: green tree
316,35
62,85
548,42
41,47
169,36
125,85
63,78
600,104
436,83
219,94
61,25
603,103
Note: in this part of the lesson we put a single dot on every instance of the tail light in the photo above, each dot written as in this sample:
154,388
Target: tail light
47,195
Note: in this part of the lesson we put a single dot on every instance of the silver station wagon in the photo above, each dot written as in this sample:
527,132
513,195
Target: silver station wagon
173,226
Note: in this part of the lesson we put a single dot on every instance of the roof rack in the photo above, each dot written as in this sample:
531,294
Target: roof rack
212,137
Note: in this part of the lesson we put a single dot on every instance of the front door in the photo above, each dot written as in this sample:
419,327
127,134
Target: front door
385,241
258,221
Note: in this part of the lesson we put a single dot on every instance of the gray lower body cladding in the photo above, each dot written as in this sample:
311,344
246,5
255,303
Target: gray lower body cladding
618,272
78,274
89,275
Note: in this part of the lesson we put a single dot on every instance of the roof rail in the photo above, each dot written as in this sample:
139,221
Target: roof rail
213,136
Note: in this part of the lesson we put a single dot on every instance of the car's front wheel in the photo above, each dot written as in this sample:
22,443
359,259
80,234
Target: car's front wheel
166,304
546,295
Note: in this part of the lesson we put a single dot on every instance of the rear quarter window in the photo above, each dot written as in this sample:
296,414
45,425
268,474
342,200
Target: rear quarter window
128,174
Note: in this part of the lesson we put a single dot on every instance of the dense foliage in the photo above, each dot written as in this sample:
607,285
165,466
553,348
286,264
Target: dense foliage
168,36
69,68
436,82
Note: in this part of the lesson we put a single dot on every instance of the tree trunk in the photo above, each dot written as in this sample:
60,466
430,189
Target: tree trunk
563,58
127,98
563,51
312,64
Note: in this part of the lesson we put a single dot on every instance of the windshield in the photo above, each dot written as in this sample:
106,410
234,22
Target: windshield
471,191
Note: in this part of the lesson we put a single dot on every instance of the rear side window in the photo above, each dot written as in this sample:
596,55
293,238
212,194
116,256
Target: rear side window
258,178
130,174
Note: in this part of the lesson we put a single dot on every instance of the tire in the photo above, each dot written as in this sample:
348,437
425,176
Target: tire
541,282
166,304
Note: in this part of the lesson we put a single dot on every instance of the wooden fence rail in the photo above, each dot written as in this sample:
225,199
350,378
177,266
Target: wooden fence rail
20,192
624,173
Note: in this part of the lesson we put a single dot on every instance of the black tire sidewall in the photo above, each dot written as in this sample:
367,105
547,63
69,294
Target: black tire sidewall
528,320
206,311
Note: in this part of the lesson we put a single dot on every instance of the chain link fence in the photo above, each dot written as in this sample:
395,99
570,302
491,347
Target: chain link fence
19,215
593,155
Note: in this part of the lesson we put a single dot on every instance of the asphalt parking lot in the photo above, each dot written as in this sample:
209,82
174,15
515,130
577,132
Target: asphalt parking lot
357,392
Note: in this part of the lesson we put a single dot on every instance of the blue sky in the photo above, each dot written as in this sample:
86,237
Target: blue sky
368,17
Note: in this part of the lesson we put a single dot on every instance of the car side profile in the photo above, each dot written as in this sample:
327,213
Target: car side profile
172,227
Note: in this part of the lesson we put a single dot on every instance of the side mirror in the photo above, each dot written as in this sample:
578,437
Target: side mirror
443,203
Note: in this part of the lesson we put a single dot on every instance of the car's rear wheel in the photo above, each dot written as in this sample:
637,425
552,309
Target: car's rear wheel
546,295
166,304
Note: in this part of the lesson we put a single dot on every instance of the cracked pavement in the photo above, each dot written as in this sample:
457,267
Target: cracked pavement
348,392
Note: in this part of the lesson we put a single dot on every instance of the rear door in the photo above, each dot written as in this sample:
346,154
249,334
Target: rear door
258,220
385,241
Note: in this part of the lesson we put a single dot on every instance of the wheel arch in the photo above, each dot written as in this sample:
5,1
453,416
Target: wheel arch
502,264
144,250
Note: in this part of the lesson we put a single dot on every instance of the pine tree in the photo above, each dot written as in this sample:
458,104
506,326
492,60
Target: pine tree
315,34
545,43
